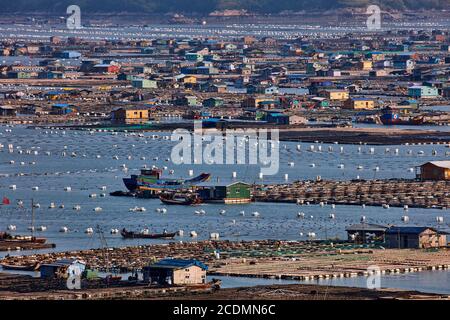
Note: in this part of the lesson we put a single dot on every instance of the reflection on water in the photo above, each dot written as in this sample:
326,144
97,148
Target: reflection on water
425,281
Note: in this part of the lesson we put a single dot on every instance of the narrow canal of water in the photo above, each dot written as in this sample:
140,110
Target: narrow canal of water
425,281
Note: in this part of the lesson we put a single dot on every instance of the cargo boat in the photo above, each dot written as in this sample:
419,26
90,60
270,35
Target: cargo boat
391,116
151,179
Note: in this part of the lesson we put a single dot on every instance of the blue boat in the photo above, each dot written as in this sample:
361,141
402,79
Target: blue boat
150,179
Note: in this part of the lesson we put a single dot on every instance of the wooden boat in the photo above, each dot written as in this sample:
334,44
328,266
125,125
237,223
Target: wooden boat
176,199
28,267
141,235
6,237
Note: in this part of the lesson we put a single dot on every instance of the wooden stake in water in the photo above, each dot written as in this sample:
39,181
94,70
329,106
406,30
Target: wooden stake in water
32,217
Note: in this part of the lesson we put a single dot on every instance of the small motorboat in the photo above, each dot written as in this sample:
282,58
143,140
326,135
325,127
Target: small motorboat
180,199
144,235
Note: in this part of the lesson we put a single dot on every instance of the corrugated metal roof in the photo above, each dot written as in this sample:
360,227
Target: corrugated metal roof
407,230
366,227
441,164
178,264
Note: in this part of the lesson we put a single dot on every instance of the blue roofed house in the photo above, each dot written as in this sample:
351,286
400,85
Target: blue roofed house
62,109
175,272
68,54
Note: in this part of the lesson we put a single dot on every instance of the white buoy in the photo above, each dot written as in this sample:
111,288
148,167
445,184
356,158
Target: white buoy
89,230
191,172
193,234
312,165
341,166
13,187
52,205
180,233
332,216
68,189
35,188
405,218
300,215
234,174
286,177
439,219
405,207
214,236
63,229
114,231
261,175
242,213
77,207
363,219
41,228
97,209
255,214
12,227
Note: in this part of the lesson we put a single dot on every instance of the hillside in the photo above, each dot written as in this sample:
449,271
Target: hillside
207,6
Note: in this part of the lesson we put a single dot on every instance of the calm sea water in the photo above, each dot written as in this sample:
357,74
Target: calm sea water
425,281
86,174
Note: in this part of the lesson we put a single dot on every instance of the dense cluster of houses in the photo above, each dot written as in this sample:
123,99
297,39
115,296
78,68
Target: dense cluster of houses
268,79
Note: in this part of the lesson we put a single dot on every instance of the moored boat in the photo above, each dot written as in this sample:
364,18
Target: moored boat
28,267
180,199
143,235
151,179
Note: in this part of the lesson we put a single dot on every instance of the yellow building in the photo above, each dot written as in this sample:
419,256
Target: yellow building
335,94
366,65
190,79
130,115
359,103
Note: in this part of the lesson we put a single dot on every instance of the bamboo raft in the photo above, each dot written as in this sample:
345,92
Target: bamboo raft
395,193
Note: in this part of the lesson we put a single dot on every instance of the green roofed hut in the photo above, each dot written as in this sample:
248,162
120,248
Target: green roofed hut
233,193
